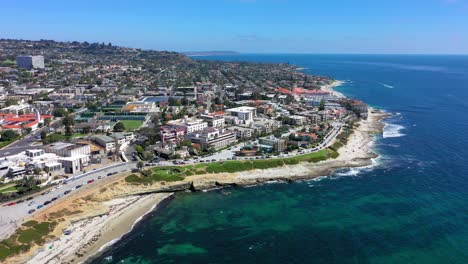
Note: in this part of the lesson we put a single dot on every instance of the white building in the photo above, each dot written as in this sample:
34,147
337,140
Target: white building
68,149
213,138
106,142
30,62
190,125
245,114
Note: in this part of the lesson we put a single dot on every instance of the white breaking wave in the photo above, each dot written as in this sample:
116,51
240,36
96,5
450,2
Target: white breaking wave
387,85
392,130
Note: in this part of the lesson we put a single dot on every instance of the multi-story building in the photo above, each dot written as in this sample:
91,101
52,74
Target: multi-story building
266,125
278,144
245,114
189,92
297,120
214,120
171,133
30,62
68,149
106,142
242,132
213,138
190,125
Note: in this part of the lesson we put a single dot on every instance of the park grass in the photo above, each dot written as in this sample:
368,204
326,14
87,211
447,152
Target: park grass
8,188
132,125
29,234
79,135
176,173
5,143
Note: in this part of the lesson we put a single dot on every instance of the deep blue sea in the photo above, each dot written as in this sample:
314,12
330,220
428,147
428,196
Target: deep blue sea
412,207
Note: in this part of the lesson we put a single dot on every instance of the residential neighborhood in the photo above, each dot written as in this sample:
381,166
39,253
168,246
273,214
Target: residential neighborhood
72,111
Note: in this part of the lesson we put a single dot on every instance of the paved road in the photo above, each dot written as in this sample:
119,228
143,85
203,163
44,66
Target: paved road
12,216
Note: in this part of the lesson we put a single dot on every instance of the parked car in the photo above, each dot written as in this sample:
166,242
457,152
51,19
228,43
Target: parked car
109,174
44,193
31,203
20,201
90,181
39,206
78,186
31,211
47,202
29,198
99,177
67,192
53,199
11,204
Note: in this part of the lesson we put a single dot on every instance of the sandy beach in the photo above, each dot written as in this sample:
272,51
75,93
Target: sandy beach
90,235
102,215
330,88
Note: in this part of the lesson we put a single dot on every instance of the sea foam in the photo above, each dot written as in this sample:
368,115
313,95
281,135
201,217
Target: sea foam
392,131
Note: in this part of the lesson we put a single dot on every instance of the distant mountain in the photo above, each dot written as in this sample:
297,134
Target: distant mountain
210,53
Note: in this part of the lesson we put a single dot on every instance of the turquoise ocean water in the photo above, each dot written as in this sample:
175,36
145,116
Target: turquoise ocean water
411,207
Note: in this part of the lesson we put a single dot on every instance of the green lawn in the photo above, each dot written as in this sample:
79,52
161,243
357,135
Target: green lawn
4,143
79,135
132,125
176,173
8,189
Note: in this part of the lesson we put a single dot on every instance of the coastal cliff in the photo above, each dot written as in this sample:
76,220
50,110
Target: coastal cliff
102,215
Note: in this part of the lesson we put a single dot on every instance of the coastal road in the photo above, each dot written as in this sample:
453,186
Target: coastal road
13,216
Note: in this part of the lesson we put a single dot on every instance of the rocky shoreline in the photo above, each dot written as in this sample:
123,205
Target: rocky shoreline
111,211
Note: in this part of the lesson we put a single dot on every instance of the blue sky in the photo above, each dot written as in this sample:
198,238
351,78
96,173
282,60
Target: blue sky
288,26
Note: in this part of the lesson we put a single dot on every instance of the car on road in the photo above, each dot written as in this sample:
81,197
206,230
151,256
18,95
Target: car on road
31,203
90,181
31,211
39,206
67,192
47,202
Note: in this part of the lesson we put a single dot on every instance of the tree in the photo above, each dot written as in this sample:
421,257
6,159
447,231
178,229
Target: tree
140,165
119,127
10,101
37,171
68,121
68,131
322,105
9,135
43,136
60,112
86,130
47,121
